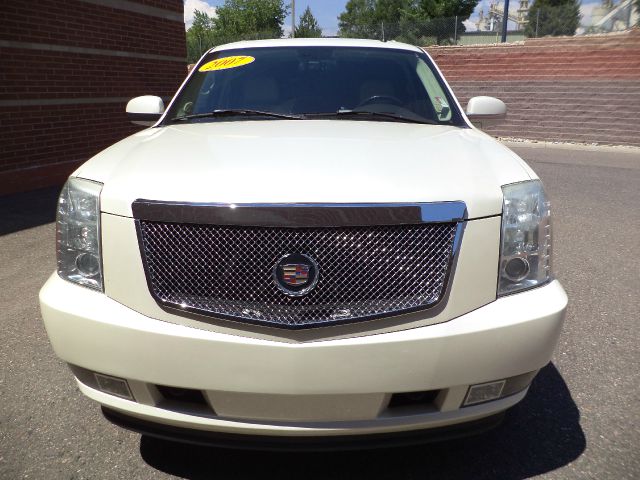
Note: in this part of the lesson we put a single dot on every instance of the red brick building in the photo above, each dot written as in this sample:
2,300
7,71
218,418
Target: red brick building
67,70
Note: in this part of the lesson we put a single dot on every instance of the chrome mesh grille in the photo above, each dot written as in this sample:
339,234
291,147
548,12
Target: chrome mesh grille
364,272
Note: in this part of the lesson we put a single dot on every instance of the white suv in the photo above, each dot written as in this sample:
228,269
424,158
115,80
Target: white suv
311,245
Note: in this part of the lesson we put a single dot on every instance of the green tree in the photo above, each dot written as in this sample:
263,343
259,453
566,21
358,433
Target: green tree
249,20
359,20
367,18
414,21
308,26
200,36
436,21
235,20
552,17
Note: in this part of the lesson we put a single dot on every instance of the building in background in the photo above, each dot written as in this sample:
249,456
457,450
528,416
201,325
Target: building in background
67,70
492,21
607,17
611,17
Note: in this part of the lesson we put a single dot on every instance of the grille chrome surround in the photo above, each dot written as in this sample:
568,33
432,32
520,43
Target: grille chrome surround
365,272
296,215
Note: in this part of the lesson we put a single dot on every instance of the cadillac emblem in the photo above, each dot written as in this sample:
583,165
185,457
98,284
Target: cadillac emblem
295,274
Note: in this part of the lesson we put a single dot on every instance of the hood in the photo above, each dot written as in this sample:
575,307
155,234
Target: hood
306,161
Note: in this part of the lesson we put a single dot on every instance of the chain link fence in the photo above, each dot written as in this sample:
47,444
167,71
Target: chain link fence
486,27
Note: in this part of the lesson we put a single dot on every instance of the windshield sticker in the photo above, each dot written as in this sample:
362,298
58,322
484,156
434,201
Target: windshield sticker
226,63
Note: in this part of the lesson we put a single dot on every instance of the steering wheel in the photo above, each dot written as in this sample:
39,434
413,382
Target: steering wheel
380,99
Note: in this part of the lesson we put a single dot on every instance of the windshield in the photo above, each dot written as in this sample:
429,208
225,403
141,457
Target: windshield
351,83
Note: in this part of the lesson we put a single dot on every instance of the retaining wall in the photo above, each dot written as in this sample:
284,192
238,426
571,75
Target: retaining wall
570,89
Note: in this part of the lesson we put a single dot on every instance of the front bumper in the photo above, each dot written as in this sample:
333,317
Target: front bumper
334,387
297,443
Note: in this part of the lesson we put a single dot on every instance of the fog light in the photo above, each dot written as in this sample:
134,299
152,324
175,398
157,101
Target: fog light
484,392
113,386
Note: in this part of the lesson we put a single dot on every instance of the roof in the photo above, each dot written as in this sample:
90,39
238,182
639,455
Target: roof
316,42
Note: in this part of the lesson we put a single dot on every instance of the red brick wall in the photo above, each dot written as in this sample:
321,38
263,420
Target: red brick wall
576,89
67,69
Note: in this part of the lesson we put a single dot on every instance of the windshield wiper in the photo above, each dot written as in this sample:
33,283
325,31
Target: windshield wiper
237,112
340,113
374,115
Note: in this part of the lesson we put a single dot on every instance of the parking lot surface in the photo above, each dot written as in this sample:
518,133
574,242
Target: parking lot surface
581,418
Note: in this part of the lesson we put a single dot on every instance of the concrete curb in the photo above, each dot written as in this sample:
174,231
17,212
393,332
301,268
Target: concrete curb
513,142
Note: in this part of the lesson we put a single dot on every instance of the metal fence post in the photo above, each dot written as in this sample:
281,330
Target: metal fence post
537,21
383,31
455,32
505,20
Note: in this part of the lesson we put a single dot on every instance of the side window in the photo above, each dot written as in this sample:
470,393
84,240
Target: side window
435,92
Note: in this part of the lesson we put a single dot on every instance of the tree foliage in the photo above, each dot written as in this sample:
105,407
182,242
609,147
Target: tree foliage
364,18
552,17
413,21
308,26
200,36
250,19
235,20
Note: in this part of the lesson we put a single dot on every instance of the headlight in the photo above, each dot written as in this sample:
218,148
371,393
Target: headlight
78,233
525,253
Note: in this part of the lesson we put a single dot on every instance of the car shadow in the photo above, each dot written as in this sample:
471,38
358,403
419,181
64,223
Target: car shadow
540,434
20,211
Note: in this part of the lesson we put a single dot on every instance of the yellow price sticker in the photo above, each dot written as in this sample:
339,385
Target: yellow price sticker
226,63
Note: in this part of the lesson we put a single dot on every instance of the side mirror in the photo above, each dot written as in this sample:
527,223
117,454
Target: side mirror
145,110
483,111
